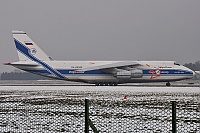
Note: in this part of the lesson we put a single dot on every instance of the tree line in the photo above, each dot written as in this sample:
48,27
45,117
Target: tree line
193,66
21,76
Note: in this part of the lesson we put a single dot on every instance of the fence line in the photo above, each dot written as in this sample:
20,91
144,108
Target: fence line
98,115
146,116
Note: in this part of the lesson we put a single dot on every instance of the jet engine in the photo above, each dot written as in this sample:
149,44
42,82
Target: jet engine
125,74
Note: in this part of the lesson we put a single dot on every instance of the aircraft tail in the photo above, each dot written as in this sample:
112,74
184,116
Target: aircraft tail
27,49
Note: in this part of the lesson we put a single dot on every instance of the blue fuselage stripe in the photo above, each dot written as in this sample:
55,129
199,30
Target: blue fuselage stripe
145,72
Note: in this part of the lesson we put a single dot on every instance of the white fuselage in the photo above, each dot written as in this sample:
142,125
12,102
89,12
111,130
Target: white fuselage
152,71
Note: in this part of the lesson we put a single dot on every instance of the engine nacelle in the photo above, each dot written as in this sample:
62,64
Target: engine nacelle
124,74
136,73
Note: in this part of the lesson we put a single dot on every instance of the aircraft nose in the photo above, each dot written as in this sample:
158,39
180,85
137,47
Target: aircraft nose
193,73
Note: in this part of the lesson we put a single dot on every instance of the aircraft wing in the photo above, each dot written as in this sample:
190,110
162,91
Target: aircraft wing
117,65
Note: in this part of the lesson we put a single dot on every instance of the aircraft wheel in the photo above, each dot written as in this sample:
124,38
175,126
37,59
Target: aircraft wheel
110,84
168,84
101,84
97,84
115,84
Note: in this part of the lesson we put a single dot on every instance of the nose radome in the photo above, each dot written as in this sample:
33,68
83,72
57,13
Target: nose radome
193,73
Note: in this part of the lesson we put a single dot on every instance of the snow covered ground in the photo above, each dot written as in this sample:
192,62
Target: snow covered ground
61,108
105,88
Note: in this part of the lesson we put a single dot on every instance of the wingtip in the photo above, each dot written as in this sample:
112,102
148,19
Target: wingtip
7,63
18,32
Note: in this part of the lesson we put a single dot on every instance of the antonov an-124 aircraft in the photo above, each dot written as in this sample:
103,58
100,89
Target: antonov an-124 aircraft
34,60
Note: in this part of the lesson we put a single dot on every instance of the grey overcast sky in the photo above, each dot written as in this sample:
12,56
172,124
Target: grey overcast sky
104,29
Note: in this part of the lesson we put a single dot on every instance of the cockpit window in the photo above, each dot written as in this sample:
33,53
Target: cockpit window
176,64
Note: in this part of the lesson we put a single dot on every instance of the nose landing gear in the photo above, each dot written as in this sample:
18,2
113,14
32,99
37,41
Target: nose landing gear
168,84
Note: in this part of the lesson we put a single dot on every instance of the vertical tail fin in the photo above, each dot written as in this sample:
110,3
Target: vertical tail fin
27,49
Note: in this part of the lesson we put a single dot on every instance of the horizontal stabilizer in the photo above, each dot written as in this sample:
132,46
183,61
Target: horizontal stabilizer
21,64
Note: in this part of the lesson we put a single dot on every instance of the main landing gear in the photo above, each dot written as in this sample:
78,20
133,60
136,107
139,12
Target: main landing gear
106,84
168,84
